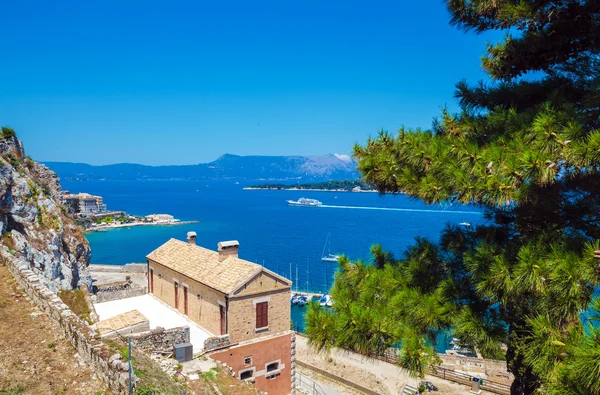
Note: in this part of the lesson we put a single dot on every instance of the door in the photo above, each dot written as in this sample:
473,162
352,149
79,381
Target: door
151,281
176,295
223,320
185,300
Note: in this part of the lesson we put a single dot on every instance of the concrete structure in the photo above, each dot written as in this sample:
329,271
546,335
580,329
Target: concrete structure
229,296
87,203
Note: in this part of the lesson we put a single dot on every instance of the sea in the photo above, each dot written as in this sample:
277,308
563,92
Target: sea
285,239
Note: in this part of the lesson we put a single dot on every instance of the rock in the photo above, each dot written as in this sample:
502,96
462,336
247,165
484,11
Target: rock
114,357
40,232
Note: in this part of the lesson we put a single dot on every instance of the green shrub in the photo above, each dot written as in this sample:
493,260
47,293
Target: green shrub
75,299
8,241
210,375
14,161
8,133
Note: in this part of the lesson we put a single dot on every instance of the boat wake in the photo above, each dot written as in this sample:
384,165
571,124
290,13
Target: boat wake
413,210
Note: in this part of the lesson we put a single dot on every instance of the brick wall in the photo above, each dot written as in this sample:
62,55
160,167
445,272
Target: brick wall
262,352
242,315
203,302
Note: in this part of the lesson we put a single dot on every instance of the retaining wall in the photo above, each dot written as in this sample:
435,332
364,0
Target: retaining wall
84,339
118,291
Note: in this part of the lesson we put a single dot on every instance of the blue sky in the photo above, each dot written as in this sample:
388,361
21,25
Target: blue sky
158,82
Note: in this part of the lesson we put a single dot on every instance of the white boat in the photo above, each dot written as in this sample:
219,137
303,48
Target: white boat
305,202
325,301
329,257
465,224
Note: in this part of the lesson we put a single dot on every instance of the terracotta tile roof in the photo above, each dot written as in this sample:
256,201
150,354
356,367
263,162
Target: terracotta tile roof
203,265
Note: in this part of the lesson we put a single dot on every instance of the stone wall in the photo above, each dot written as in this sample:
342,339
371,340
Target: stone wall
160,339
213,343
117,291
84,339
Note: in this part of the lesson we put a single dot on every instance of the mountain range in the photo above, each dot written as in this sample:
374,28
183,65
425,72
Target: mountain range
228,166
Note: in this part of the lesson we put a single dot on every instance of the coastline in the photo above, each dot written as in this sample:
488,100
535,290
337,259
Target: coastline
117,226
307,189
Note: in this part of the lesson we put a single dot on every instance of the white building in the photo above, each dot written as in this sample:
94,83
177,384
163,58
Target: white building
87,203
159,218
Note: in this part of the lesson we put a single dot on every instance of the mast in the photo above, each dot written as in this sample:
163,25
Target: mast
296,277
307,273
327,242
326,280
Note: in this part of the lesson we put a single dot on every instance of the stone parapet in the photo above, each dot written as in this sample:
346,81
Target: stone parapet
216,342
83,337
161,339
117,291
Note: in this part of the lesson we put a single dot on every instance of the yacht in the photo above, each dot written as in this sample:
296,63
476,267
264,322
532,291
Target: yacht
329,257
325,301
302,300
305,202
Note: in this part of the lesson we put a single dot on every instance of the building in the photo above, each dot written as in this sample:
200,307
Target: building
159,218
87,203
231,298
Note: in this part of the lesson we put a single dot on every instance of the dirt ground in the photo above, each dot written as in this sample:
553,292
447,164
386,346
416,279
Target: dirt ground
379,376
34,358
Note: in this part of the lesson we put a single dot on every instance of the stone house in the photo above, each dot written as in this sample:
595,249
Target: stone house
233,298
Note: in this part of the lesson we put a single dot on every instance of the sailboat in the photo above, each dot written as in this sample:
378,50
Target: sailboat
329,257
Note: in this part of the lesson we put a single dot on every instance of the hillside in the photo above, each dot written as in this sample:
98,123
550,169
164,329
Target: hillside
33,224
341,185
228,166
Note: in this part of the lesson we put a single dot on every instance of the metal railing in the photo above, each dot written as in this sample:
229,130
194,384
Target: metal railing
307,385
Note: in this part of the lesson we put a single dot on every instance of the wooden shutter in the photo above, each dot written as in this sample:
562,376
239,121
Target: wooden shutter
262,314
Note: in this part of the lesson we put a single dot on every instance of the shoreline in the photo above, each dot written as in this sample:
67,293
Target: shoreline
117,226
307,189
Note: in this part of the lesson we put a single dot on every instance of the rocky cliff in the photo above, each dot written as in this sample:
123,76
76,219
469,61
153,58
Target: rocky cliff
33,223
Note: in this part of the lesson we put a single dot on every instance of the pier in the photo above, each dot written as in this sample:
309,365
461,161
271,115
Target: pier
310,295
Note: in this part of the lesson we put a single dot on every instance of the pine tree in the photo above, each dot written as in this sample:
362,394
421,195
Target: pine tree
527,150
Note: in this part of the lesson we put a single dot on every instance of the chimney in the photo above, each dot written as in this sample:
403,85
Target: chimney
191,238
227,249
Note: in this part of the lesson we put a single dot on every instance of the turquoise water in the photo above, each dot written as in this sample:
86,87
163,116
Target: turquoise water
270,232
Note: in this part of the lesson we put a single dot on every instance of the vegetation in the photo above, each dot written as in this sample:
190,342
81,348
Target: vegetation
344,185
8,133
77,302
152,379
74,206
106,220
528,151
8,241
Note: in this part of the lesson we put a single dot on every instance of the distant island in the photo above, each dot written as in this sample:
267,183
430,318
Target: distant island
338,186
226,167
